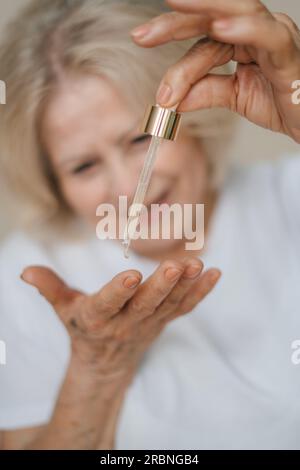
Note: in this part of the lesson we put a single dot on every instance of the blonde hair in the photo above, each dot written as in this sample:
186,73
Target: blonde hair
51,37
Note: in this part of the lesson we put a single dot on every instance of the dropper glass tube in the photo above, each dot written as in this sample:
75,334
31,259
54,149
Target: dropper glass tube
161,123
137,205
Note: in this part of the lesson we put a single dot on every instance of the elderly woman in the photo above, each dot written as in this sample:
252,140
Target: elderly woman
103,359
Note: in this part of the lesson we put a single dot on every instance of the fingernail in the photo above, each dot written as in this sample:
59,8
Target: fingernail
25,277
172,274
192,271
131,282
164,94
221,25
140,31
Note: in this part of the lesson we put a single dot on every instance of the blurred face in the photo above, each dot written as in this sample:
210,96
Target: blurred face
96,151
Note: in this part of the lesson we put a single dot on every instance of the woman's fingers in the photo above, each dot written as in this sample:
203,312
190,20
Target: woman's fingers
192,270
199,290
249,30
218,7
169,27
187,297
106,303
287,20
280,52
96,308
177,26
153,291
263,33
50,286
214,90
193,66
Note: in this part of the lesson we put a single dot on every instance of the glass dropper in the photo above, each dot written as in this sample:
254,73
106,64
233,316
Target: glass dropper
161,123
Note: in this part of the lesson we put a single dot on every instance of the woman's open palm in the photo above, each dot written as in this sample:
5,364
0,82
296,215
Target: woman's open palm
111,329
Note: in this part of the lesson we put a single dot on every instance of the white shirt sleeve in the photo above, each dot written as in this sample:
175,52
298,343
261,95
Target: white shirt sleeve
36,343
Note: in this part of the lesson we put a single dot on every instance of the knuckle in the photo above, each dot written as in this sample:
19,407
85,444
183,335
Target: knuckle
107,306
140,305
179,72
170,20
287,20
92,318
184,75
167,309
286,38
156,20
159,291
172,302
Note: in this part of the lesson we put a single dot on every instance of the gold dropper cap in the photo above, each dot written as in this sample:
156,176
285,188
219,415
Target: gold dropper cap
161,122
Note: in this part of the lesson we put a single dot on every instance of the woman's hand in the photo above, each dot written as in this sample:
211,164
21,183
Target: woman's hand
265,45
111,329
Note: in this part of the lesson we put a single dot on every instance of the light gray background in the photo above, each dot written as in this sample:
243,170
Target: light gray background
250,143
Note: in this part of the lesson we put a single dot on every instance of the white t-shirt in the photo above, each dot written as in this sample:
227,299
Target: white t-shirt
221,377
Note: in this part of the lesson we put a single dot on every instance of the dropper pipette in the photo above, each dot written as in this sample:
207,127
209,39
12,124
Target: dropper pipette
143,183
161,123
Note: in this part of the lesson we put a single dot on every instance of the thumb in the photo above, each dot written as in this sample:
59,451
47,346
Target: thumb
50,285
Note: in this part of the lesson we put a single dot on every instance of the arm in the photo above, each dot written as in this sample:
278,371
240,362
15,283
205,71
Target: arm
86,412
85,415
